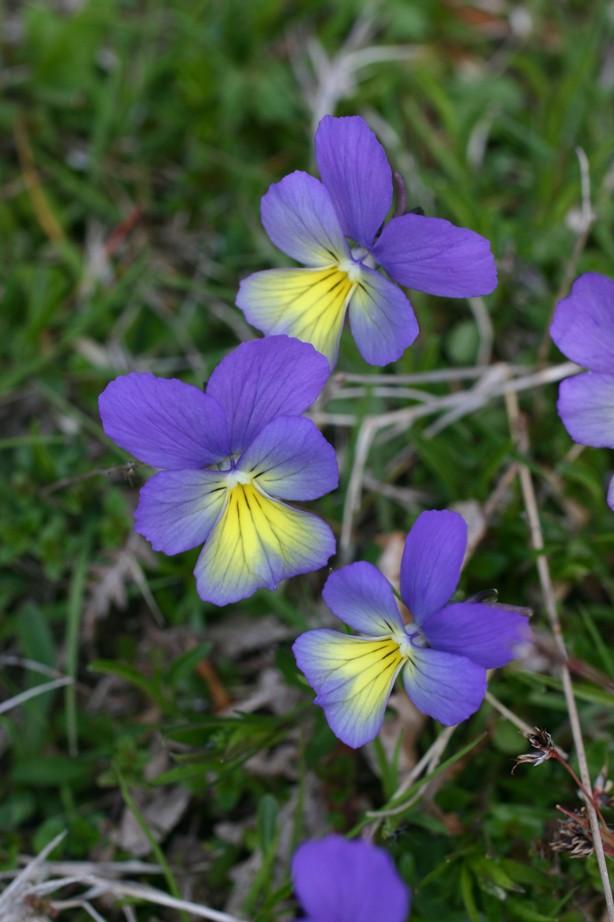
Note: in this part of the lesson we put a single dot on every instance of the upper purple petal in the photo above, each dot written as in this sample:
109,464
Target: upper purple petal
356,173
583,323
431,562
291,459
178,509
276,376
447,687
336,880
164,422
586,406
485,634
299,217
381,319
432,255
362,598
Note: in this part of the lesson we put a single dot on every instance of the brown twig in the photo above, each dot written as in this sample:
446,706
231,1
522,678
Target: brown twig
537,541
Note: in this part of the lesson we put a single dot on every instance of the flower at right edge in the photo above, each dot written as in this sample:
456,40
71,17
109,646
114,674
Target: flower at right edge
442,654
583,329
337,880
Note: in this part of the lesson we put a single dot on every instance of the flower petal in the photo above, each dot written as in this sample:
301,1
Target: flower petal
164,422
447,687
291,459
178,509
260,380
353,678
299,217
583,323
309,304
432,255
586,406
381,318
431,562
362,597
256,543
486,634
339,880
356,173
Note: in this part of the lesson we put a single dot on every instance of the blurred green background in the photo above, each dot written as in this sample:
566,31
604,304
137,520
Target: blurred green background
136,141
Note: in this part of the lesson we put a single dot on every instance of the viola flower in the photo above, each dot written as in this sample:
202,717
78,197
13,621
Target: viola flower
583,329
229,458
442,654
337,880
334,228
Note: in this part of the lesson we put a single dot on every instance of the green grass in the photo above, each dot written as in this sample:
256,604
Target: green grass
153,128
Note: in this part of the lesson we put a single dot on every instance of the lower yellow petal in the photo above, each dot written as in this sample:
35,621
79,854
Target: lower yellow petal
353,678
309,304
256,543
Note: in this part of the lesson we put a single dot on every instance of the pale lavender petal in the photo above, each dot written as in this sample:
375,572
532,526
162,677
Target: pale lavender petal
291,459
178,509
164,422
260,380
586,406
362,598
432,255
356,173
336,880
299,217
381,319
611,494
583,323
447,687
353,678
431,562
487,635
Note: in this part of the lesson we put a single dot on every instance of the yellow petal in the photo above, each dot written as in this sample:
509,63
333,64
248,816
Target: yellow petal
353,678
309,304
256,543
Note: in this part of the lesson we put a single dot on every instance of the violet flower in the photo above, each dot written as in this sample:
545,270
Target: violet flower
442,654
583,329
334,228
337,880
229,458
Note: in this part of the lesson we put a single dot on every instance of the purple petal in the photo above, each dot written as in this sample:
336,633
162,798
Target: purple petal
164,422
431,562
353,678
381,318
583,323
586,406
356,173
432,255
340,881
178,509
260,380
256,543
485,634
362,598
299,217
290,459
447,687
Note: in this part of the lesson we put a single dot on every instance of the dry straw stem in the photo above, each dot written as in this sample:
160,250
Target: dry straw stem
491,382
40,878
537,541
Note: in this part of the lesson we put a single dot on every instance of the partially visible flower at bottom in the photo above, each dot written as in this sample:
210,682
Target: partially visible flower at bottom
442,655
336,880
583,329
